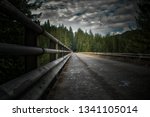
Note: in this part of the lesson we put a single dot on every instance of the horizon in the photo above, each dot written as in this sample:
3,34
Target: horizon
85,31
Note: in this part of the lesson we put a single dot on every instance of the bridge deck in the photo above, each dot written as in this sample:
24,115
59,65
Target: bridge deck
92,77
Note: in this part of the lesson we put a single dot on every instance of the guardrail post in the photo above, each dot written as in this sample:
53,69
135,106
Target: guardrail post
30,40
62,52
59,54
52,45
63,48
57,47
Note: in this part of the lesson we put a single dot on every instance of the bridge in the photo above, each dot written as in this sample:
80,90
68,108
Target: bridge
68,75
88,76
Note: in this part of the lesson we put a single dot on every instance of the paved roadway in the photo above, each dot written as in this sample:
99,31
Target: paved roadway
93,77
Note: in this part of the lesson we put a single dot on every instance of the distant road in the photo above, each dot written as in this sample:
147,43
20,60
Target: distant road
92,77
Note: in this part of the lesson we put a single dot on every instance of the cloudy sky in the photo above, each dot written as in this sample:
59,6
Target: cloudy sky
101,16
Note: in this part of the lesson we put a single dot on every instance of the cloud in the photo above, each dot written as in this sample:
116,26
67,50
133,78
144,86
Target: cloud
73,18
101,16
118,18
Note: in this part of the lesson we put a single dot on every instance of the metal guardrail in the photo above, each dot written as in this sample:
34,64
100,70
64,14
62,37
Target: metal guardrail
137,56
21,85
128,55
12,49
16,87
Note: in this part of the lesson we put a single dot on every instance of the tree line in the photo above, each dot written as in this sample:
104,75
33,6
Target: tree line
129,42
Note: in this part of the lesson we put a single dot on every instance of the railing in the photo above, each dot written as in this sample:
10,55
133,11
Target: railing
127,55
138,58
33,84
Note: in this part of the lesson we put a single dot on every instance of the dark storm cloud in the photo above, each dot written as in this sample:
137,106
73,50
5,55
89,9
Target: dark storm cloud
101,16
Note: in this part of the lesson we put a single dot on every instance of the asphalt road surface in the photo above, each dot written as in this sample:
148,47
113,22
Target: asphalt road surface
91,77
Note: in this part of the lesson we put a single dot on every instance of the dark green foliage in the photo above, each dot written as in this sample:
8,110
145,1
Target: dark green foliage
10,67
84,41
128,42
143,22
63,34
43,42
144,15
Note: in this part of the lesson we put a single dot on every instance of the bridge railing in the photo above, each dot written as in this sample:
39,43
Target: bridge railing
127,55
138,58
37,79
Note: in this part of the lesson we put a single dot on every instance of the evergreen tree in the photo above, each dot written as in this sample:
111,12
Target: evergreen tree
143,18
143,21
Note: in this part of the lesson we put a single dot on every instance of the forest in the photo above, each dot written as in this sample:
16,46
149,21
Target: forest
129,42
133,41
